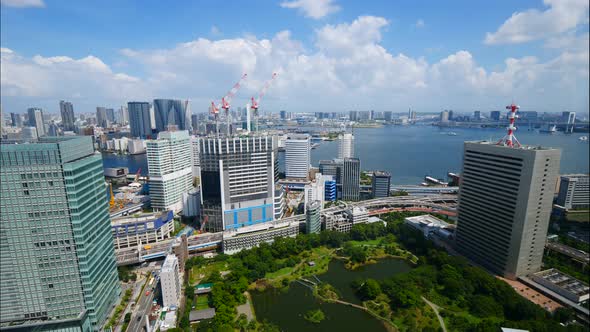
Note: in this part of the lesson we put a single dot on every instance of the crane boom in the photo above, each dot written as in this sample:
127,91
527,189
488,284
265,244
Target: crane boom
262,92
226,100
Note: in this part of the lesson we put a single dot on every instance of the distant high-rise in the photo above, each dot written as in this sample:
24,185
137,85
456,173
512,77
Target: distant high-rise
67,115
16,119
170,169
28,133
313,221
110,115
495,115
297,155
195,123
353,115
505,201
345,145
139,119
58,270
388,116
36,120
381,184
101,117
52,129
351,177
238,177
444,116
123,115
574,191
477,116
283,115
170,112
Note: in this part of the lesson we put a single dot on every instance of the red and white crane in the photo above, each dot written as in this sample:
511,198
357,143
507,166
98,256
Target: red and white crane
254,103
226,104
510,140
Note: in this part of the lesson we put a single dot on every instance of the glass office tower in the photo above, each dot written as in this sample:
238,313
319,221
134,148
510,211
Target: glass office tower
58,266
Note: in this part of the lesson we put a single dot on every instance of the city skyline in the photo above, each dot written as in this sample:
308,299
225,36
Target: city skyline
342,56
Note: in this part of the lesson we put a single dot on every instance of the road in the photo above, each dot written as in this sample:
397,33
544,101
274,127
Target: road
435,308
574,253
142,308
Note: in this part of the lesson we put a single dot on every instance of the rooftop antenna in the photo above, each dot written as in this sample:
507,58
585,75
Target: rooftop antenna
510,140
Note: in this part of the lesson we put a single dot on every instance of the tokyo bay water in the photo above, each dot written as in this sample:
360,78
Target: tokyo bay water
411,152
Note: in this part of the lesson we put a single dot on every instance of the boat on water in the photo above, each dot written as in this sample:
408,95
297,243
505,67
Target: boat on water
452,133
583,138
315,145
549,130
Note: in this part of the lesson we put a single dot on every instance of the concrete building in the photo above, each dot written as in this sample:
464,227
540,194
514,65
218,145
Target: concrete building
381,184
195,155
238,177
505,201
146,228
574,191
140,119
329,188
170,169
16,120
313,220
495,115
58,263
191,203
28,134
123,115
345,145
351,177
248,237
357,215
36,120
297,155
444,116
170,112
101,117
68,119
314,190
563,284
429,225
170,282
136,146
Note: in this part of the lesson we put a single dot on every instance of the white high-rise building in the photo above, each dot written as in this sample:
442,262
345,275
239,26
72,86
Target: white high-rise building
170,282
170,169
196,162
346,145
314,191
297,155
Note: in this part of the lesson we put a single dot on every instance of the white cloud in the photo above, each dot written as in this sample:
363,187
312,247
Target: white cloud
23,3
315,9
215,32
346,68
419,23
560,17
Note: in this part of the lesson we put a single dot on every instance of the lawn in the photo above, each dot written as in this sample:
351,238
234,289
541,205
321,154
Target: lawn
282,272
370,243
202,302
202,271
579,217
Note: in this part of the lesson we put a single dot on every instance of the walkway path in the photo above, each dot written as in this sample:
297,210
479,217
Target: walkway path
246,308
436,308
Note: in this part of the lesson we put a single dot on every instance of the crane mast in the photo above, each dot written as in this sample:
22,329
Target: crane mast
254,103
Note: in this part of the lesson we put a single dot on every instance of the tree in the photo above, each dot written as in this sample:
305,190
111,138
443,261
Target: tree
485,306
563,314
369,290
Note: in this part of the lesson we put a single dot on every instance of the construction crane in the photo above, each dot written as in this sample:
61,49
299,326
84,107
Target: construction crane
254,103
112,200
226,104
510,140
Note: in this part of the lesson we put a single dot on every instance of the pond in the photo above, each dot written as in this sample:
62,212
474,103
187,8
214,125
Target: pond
286,308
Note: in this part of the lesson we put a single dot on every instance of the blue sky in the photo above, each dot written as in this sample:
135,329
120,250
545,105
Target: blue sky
330,55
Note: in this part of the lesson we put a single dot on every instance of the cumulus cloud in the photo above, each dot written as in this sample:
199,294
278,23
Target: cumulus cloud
560,17
315,9
419,23
23,3
346,68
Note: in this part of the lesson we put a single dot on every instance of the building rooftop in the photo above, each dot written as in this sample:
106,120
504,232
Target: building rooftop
201,314
564,281
169,263
381,173
522,147
142,217
428,221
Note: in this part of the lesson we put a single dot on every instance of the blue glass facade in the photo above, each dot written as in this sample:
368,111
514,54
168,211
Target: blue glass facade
170,112
252,215
330,190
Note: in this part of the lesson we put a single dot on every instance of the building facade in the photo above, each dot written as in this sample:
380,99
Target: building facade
58,263
297,155
313,218
345,145
129,232
170,169
101,117
170,282
381,184
505,201
170,112
36,120
140,119
238,177
351,179
248,237
574,191
67,115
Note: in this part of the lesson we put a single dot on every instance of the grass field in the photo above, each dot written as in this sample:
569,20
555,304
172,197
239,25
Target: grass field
282,272
202,302
579,217
202,271
370,243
